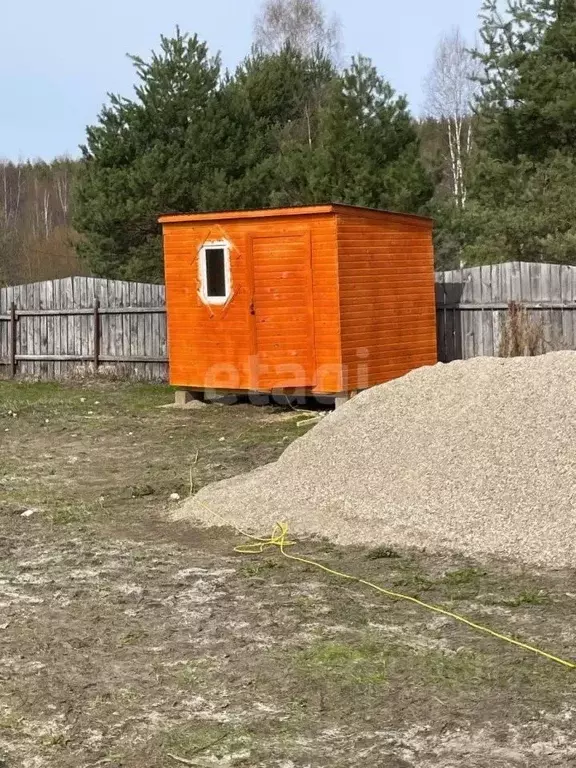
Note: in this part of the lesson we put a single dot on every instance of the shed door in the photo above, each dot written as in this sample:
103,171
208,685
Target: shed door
281,312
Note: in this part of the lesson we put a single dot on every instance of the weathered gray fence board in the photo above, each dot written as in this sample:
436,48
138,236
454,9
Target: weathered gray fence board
573,283
472,306
85,322
55,328
486,317
498,296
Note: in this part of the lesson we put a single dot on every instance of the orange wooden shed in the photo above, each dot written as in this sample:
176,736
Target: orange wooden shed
323,300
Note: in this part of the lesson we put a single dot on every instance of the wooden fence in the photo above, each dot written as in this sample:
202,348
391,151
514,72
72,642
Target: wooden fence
51,330
57,328
473,305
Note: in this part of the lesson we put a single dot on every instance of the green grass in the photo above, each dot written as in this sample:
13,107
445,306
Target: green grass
35,398
437,668
268,434
67,513
414,582
464,576
369,662
527,597
11,722
461,584
355,668
56,740
202,741
188,676
337,662
383,553
257,568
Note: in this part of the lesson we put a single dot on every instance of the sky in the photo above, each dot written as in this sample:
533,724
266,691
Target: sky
58,60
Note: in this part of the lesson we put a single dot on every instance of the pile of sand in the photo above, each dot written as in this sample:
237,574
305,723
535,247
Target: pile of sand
476,456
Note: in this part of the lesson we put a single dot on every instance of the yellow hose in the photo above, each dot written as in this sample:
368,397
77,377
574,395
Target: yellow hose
279,540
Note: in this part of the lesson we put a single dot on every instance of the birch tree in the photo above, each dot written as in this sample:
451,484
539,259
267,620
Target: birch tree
302,24
12,183
450,91
62,182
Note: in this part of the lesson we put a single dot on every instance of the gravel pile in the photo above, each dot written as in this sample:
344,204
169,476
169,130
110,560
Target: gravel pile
476,456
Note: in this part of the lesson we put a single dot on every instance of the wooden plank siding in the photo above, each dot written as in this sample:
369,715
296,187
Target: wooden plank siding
283,310
55,328
387,303
213,346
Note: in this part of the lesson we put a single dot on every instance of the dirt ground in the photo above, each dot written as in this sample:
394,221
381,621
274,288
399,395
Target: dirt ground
129,641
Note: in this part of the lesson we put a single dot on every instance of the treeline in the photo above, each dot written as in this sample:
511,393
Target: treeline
492,159
37,241
286,128
516,168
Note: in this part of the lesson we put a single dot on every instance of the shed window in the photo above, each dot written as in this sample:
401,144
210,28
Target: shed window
215,273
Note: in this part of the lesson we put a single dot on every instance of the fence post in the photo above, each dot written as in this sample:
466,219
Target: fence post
96,346
13,339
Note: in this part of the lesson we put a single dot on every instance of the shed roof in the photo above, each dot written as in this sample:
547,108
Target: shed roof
295,210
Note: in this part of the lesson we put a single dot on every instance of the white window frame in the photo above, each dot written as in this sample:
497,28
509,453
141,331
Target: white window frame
202,272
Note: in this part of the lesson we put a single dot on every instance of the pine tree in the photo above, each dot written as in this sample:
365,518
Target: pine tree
149,155
523,211
521,202
528,103
369,146
276,100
